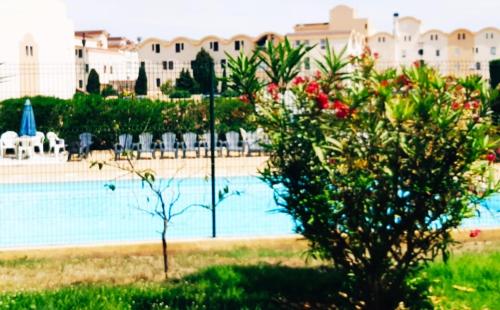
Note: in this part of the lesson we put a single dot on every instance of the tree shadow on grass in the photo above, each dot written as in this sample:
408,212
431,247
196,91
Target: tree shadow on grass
251,287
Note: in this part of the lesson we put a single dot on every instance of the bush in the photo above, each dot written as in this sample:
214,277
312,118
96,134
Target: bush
186,82
495,73
167,88
107,119
93,83
141,85
49,113
203,71
495,81
109,91
377,168
180,94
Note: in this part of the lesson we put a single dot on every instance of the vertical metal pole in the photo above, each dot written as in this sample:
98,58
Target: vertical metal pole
212,147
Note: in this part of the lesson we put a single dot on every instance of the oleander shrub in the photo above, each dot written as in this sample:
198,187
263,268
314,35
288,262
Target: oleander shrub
377,168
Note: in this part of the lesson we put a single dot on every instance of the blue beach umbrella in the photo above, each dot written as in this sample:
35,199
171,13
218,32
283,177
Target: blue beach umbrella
28,125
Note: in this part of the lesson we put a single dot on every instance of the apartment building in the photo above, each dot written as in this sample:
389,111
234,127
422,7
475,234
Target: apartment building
115,59
343,29
164,60
37,51
459,52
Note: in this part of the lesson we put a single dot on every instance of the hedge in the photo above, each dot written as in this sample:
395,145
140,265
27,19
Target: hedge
108,118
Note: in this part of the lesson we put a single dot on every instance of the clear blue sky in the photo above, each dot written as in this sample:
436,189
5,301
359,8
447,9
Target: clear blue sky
197,18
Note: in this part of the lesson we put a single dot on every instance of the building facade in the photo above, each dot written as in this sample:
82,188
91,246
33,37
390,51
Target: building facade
460,52
37,54
115,59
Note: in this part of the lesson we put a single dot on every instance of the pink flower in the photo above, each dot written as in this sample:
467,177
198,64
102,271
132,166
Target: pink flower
455,106
298,80
272,88
244,98
322,100
317,75
416,64
384,83
341,109
476,105
474,233
491,157
312,88
375,55
467,106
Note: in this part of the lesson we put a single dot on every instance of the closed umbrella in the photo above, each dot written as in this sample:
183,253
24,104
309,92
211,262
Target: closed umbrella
28,125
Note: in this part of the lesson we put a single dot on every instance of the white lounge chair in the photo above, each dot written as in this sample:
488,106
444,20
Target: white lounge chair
233,143
169,144
124,145
145,145
253,141
205,143
56,145
24,147
8,142
37,142
189,144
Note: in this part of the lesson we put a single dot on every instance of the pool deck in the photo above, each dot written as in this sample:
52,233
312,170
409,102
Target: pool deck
487,237
48,169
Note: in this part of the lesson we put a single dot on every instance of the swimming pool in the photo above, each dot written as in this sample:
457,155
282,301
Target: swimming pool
83,213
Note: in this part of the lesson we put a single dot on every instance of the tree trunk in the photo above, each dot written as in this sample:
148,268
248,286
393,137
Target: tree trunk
164,248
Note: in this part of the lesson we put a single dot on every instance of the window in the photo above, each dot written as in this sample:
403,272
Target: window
158,82
27,50
80,53
87,68
104,69
322,44
403,54
80,84
223,63
306,43
214,46
477,50
438,53
459,36
237,45
111,69
179,47
409,38
297,42
157,48
170,65
31,50
421,52
383,39
153,47
165,65
307,63
493,50
478,66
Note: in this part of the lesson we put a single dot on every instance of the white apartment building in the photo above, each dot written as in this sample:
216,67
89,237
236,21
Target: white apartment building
164,60
459,52
37,54
115,59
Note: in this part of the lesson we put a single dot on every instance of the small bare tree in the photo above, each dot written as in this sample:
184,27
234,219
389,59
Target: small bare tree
166,205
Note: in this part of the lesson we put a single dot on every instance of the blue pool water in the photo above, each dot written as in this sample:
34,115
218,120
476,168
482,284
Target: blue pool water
79,213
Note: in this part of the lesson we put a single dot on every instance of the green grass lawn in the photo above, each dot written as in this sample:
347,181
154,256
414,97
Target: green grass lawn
469,281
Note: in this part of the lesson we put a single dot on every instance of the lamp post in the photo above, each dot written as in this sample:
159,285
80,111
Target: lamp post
84,42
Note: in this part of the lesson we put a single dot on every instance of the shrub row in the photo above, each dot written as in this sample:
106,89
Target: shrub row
108,118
